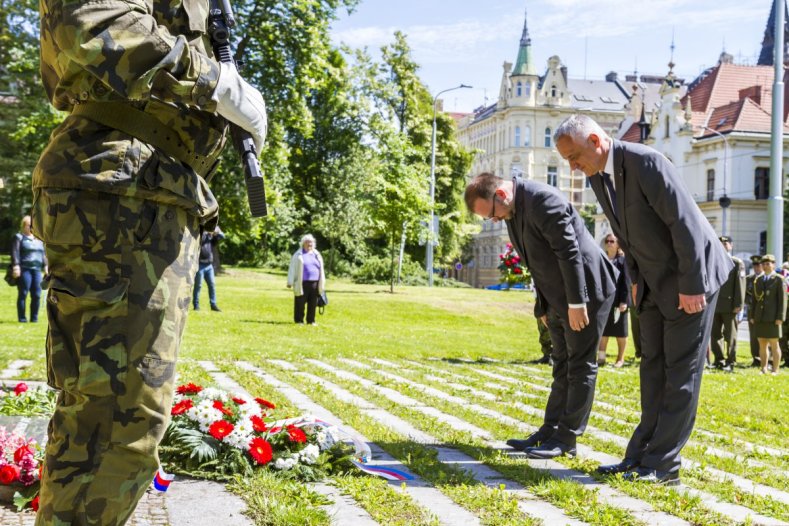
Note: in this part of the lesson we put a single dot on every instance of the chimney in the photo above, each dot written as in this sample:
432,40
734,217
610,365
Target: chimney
754,93
611,77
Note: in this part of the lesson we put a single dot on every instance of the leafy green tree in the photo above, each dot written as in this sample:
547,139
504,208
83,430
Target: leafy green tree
26,117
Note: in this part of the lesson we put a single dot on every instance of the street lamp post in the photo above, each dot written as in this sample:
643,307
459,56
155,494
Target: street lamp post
724,200
433,233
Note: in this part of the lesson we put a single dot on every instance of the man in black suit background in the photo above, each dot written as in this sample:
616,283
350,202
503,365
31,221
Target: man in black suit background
676,264
575,285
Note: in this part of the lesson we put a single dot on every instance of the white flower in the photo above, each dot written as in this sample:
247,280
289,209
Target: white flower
212,393
309,455
205,414
284,464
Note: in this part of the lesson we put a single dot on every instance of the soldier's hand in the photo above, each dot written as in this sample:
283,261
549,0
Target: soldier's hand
240,103
779,322
737,310
622,307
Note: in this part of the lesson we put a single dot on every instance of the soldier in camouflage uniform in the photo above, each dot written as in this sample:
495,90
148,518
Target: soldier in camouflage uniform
120,196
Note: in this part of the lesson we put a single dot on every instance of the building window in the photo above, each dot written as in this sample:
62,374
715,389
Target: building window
552,178
588,182
517,136
763,242
528,89
553,90
527,136
710,184
761,183
519,89
547,137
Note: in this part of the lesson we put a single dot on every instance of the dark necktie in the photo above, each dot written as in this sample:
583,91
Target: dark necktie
609,185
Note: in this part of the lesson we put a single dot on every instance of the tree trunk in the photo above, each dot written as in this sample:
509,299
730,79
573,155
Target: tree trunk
392,261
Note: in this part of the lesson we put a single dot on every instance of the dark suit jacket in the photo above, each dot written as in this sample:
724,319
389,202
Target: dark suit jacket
669,245
566,264
732,293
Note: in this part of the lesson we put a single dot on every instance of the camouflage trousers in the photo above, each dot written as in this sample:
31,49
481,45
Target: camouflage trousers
121,270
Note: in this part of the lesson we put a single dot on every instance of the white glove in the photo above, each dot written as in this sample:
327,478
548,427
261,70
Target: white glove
240,103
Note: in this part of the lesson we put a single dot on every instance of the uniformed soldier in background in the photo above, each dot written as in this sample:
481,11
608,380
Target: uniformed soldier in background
724,324
756,271
120,196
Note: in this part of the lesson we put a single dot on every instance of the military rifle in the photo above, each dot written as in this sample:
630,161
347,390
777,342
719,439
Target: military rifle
220,23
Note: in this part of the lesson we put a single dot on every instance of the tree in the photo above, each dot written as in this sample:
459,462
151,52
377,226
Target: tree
26,117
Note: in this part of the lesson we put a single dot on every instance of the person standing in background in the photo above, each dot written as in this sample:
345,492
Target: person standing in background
724,324
205,269
769,300
307,278
617,319
27,260
756,272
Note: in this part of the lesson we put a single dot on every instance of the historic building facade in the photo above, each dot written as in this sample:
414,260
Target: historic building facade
514,136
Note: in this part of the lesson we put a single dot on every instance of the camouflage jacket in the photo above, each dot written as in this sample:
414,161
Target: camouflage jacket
154,56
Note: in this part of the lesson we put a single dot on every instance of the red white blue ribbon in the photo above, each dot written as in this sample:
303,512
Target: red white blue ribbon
162,480
383,471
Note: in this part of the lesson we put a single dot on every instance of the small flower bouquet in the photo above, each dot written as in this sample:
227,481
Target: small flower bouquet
20,472
512,271
216,435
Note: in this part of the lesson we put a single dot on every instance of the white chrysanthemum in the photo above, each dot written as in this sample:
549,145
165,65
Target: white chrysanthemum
249,409
212,393
284,464
239,438
205,414
309,455
178,398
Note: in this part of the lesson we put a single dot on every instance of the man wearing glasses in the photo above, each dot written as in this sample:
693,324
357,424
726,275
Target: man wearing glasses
575,285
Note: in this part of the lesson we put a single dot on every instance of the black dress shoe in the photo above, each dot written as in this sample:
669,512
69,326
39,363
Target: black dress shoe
545,360
551,449
653,476
626,465
522,444
756,362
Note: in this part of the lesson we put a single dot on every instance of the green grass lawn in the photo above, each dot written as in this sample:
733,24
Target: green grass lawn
418,323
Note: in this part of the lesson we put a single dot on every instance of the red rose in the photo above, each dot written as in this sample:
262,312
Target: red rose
189,388
517,270
258,424
265,403
239,401
8,474
34,503
181,407
220,429
20,388
219,405
296,435
260,450
22,452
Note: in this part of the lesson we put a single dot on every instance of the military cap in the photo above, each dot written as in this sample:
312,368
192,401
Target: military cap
725,239
756,259
768,258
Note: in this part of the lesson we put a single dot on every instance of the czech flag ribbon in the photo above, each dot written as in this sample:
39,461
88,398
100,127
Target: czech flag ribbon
162,480
383,471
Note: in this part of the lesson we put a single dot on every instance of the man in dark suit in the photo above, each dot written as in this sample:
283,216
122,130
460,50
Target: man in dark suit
575,285
724,323
756,261
676,264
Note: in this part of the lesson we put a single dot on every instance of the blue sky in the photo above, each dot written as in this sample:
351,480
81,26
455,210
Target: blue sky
465,41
